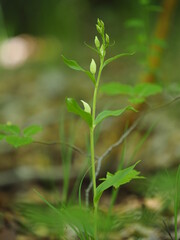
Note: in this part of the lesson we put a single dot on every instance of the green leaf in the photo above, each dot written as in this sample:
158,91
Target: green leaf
117,179
115,88
92,48
13,129
31,130
91,76
74,65
142,91
113,113
17,141
116,57
137,94
73,107
146,89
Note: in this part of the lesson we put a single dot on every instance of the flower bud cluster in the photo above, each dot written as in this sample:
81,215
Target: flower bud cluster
100,26
105,38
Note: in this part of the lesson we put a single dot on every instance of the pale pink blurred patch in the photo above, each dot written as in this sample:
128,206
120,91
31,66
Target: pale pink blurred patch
14,52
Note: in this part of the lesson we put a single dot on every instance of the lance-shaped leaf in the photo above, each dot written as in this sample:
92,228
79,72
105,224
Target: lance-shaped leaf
74,107
31,130
108,113
115,88
74,65
92,48
116,57
117,179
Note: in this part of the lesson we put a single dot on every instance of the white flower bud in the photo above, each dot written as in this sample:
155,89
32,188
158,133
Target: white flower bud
93,67
107,38
97,42
87,108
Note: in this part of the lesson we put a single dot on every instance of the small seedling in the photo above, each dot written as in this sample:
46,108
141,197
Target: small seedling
15,137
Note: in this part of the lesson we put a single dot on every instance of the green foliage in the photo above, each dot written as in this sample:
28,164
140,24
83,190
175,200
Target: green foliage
57,219
114,113
160,184
136,94
116,57
166,185
73,107
12,134
117,179
31,130
66,155
42,216
9,129
116,88
74,65
18,141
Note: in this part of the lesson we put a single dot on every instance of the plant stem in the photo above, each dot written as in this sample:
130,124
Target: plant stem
92,131
93,160
92,145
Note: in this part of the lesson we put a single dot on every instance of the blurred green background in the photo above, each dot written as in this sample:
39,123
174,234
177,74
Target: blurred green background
34,81
34,34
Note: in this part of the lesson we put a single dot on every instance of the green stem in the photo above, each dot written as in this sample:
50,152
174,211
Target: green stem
92,142
92,160
93,127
